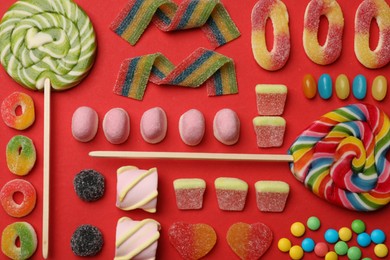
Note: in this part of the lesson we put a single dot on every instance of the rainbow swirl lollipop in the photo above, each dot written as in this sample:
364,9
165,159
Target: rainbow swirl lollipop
342,157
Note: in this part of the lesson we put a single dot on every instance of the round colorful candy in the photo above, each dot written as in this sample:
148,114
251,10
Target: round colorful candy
308,244
354,253
321,249
341,248
325,86
331,236
363,239
331,256
313,223
342,87
381,250
309,86
297,229
378,236
20,155
379,88
10,114
296,252
359,87
358,226
345,234
284,244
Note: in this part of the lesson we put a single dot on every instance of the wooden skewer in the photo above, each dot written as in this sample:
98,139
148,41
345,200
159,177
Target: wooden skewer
46,169
193,156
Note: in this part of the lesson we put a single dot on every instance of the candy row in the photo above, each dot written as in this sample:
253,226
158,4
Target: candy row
342,87
271,196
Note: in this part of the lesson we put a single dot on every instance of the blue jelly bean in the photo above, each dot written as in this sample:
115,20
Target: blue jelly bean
363,239
325,86
331,236
359,87
378,236
308,244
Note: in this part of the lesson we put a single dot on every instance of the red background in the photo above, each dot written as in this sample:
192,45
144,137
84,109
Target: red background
69,156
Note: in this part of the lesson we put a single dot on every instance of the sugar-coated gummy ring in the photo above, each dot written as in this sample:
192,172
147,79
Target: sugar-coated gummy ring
276,11
13,208
341,157
47,39
9,113
27,237
330,51
20,155
366,12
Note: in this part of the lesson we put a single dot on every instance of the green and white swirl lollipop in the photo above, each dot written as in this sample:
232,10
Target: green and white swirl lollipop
47,39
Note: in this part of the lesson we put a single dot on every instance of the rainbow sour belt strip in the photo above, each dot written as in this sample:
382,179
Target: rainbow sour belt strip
51,39
210,15
342,157
202,66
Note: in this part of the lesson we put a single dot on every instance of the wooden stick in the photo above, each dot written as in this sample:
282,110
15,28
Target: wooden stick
46,169
193,156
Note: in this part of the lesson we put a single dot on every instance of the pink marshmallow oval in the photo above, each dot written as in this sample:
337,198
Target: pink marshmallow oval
84,124
226,126
192,127
116,126
153,125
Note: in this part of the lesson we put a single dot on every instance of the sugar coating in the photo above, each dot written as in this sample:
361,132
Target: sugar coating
84,124
269,131
271,196
249,241
116,125
87,240
226,126
192,241
25,233
89,185
189,193
192,127
270,99
154,125
231,193
20,155
8,111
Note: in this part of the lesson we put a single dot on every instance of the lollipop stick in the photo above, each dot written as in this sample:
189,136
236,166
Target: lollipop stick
193,156
46,169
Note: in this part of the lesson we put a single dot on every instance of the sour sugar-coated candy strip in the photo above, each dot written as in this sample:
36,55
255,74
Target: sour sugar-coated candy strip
210,15
276,11
342,157
51,39
215,70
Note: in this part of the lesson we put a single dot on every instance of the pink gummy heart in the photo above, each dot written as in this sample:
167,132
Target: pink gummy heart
249,241
192,241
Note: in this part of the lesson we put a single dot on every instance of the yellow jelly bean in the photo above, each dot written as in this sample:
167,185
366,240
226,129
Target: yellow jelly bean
379,88
342,86
309,86
284,244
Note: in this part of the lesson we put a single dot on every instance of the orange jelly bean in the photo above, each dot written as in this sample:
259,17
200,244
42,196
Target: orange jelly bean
379,88
309,86
342,87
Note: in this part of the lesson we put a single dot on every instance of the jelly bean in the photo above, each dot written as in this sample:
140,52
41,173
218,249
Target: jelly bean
354,253
309,86
313,223
296,252
331,236
284,244
345,234
358,226
363,239
381,250
325,86
342,87
297,229
341,248
378,236
321,249
308,244
379,88
331,256
359,87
